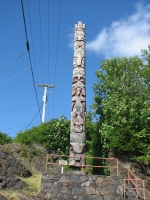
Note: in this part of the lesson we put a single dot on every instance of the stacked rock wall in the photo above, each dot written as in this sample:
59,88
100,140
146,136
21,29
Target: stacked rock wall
77,186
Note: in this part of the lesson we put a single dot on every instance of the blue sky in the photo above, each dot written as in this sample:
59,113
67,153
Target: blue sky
113,28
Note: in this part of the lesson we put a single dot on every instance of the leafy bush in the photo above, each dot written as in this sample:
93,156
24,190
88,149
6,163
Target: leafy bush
93,145
54,135
5,139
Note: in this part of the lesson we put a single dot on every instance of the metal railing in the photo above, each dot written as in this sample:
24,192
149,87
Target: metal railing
111,163
138,185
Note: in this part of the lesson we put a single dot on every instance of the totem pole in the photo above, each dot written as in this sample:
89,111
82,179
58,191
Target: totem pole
78,110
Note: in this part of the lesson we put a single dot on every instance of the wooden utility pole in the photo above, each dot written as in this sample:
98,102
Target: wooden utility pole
45,98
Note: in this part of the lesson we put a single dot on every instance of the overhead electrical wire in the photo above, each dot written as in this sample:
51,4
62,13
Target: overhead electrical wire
33,118
41,43
28,49
48,55
18,126
57,42
13,61
14,76
48,44
56,53
17,108
32,43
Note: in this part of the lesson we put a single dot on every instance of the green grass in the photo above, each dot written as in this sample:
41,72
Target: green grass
9,194
34,187
33,182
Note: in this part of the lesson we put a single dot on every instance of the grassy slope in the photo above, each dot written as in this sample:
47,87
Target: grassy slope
28,156
34,187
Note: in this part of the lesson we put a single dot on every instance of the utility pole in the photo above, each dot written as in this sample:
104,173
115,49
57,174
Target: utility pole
45,86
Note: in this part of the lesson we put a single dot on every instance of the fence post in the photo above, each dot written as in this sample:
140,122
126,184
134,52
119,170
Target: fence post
110,170
117,167
136,189
124,187
46,161
128,176
144,188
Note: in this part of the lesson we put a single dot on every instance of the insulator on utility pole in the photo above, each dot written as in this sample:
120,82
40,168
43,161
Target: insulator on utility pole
45,86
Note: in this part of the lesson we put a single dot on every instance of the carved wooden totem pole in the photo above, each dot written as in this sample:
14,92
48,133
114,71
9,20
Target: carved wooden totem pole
77,135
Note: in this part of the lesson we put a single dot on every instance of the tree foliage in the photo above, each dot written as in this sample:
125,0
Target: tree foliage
122,101
54,135
93,137
93,144
5,139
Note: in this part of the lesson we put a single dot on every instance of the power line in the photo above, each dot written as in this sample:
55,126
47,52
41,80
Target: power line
15,76
27,44
17,126
18,108
57,42
13,61
56,52
48,55
33,118
48,44
41,42
32,43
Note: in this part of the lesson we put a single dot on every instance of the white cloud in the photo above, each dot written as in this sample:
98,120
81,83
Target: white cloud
125,37
71,38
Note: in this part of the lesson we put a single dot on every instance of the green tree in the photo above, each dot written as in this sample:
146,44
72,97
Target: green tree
5,139
93,137
94,145
122,101
54,135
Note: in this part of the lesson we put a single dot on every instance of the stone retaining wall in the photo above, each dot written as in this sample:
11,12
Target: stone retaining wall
77,186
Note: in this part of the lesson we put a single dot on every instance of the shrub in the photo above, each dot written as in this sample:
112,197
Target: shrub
5,139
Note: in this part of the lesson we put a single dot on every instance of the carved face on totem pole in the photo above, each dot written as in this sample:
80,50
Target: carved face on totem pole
77,135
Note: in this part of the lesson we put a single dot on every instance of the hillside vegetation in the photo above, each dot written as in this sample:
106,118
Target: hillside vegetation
122,103
119,119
